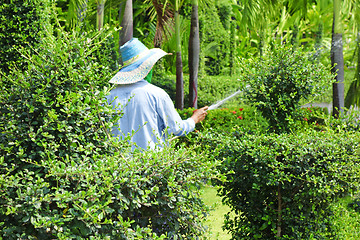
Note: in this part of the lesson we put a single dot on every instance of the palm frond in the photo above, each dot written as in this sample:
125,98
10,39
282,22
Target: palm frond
165,20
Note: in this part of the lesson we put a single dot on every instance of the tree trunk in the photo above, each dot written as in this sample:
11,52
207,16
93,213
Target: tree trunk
353,94
100,14
194,51
126,22
337,61
179,100
261,42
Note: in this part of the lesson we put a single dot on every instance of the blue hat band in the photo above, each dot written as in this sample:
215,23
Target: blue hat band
131,49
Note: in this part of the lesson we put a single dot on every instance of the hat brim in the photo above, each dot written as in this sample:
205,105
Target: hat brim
139,69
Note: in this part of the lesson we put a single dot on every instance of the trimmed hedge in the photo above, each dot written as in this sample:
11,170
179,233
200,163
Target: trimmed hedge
21,25
229,120
281,186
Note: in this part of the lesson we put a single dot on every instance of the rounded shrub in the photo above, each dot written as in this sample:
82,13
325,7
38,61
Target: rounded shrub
279,80
281,186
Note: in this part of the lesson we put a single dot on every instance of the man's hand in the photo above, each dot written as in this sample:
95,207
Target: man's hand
199,114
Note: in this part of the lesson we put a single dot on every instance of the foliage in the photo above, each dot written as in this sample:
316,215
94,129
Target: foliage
347,217
280,186
215,40
229,120
106,54
326,96
211,89
313,117
279,80
63,176
355,204
164,80
76,14
22,23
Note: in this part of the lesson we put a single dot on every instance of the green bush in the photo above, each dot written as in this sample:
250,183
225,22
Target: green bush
21,24
62,176
229,120
212,89
106,54
280,186
164,80
280,80
215,40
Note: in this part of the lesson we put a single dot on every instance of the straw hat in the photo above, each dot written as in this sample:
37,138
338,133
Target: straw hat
138,61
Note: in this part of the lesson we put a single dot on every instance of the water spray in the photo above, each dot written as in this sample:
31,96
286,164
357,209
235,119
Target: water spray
218,104
221,102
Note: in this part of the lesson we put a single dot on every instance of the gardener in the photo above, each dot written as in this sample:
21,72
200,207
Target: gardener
149,115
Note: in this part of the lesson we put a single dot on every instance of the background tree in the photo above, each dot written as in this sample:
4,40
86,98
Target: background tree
194,52
126,22
353,94
179,100
337,61
100,14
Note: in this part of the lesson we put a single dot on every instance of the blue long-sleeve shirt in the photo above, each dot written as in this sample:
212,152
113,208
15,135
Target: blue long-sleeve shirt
149,115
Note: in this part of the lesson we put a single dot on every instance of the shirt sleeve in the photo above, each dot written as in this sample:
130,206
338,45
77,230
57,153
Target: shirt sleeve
172,122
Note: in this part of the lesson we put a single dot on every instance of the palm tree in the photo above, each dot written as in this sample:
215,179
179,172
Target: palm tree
126,22
77,11
100,14
194,52
337,61
256,17
322,7
164,14
353,94
179,99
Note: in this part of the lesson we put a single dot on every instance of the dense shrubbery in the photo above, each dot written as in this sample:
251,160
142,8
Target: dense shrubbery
215,39
280,182
280,79
229,120
280,186
21,24
62,176
211,89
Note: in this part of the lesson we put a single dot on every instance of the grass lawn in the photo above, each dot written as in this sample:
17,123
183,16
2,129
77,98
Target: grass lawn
216,219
